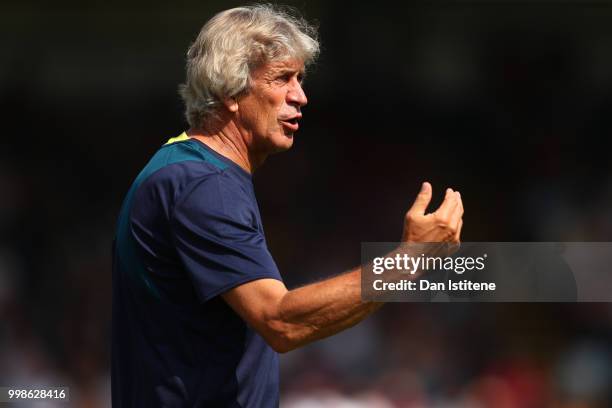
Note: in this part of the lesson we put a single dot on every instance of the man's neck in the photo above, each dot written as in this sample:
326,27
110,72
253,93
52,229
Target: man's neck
229,142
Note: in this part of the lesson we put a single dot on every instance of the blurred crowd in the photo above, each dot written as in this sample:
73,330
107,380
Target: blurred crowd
459,356
509,103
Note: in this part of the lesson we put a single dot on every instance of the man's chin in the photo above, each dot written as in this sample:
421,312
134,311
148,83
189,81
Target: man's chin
284,144
280,149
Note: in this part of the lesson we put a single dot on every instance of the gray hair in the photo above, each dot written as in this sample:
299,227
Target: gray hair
231,45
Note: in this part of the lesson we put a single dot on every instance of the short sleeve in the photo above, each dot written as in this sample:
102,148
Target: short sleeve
216,233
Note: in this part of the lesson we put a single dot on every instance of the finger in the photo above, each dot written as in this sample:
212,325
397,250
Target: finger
422,200
460,202
457,237
448,205
457,212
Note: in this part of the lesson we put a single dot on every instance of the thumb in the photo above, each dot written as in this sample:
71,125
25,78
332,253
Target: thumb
422,200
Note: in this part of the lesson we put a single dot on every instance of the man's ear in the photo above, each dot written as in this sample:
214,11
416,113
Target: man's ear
231,104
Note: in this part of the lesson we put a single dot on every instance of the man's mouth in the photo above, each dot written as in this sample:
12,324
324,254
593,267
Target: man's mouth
291,123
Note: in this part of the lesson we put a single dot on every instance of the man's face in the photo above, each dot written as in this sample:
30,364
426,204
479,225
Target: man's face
268,114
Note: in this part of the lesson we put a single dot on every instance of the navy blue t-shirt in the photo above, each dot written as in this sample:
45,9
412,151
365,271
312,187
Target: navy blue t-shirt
188,231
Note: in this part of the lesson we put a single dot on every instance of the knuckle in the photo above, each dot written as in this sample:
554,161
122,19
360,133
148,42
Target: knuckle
446,231
411,218
442,219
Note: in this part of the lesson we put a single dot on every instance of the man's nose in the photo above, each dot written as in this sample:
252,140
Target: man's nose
296,94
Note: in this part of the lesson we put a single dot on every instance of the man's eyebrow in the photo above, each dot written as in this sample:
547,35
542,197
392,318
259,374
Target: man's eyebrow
282,71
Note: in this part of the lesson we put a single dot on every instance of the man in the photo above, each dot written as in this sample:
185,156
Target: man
199,308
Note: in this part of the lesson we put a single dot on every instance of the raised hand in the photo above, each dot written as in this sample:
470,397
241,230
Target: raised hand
442,225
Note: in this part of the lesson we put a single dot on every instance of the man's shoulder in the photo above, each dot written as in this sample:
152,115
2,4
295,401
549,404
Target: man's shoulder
171,171
186,152
182,161
186,175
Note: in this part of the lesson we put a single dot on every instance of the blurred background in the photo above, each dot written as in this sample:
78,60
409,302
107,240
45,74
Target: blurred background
507,101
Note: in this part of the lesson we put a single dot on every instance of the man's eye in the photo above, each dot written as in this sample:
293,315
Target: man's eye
284,78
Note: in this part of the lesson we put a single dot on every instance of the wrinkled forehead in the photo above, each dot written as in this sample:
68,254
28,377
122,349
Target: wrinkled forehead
288,65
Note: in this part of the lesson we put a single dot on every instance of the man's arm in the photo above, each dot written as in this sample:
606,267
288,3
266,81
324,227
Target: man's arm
290,319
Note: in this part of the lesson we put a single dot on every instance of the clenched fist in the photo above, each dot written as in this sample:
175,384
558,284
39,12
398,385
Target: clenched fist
442,225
